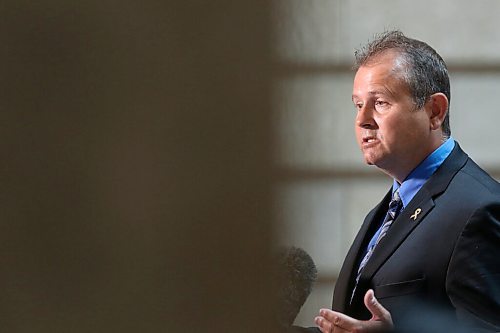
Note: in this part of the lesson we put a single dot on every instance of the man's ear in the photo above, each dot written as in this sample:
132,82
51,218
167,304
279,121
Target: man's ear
438,107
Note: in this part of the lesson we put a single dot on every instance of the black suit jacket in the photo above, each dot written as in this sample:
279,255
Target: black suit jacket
440,257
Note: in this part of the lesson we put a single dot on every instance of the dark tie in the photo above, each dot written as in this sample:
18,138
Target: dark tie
394,208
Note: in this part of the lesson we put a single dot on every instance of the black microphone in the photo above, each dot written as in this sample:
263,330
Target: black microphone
295,276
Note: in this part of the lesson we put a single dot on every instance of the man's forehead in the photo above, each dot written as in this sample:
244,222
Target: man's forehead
388,84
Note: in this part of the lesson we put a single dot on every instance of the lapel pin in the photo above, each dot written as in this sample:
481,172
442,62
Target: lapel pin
417,211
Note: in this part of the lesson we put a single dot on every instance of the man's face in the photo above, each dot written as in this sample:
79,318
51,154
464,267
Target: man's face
391,132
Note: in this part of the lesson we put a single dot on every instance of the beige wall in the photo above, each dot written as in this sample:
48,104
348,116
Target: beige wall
325,189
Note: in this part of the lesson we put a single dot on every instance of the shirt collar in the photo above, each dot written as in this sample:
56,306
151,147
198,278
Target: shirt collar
417,178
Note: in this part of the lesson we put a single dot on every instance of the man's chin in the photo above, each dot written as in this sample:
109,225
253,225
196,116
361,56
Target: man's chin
371,157
369,160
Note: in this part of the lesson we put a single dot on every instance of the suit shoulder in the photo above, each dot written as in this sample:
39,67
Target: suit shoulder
472,174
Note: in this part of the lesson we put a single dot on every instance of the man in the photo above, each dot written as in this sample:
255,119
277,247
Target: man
432,245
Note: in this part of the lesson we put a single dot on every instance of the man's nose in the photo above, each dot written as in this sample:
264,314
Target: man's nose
364,118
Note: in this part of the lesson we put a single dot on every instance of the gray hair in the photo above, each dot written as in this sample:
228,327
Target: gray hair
425,72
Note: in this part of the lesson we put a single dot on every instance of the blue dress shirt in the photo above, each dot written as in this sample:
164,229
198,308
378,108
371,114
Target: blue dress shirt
417,178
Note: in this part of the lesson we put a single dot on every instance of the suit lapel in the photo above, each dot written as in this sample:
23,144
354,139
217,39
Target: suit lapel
404,224
348,272
410,217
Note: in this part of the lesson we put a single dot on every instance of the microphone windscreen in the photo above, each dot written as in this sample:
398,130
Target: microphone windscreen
295,274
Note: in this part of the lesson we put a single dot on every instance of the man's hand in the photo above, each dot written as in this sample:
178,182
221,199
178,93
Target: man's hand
330,321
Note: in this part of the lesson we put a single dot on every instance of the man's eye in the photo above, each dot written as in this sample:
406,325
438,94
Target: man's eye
358,106
381,104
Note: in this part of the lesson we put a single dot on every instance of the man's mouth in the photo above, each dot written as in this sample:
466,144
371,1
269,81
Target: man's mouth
369,139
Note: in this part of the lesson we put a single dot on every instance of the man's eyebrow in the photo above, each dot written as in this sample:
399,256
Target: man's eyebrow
377,92
372,93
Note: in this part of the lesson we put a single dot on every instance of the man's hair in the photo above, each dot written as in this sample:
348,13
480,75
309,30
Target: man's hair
424,71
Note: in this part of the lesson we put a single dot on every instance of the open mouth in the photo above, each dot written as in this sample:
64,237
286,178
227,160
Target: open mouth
369,139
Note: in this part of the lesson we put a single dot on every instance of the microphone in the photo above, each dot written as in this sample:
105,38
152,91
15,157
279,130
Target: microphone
295,274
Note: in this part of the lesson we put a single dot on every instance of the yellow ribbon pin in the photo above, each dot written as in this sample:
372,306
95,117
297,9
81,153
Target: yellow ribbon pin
417,211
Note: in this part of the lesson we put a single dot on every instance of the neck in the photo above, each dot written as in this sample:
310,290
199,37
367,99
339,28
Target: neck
404,169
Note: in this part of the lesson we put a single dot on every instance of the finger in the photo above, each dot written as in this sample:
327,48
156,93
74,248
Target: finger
323,324
327,327
339,319
376,309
